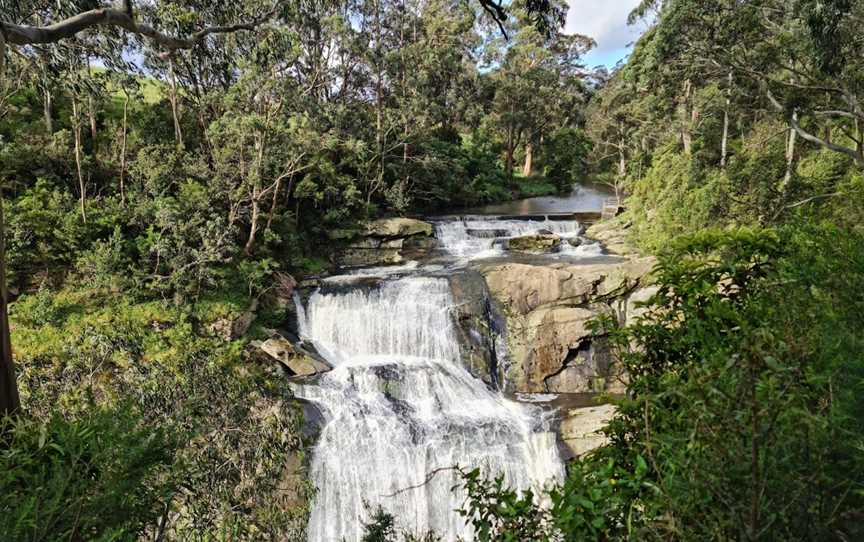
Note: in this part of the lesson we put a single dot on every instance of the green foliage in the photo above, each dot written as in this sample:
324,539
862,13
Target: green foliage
675,198
381,527
102,477
43,231
601,499
500,514
743,404
236,436
567,155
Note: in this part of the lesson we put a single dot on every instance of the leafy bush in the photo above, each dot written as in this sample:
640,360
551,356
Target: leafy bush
745,412
566,157
238,453
101,477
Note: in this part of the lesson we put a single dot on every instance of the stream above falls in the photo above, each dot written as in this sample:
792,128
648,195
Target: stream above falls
584,198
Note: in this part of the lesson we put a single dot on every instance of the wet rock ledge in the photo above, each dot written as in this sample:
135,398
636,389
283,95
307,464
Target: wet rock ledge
387,241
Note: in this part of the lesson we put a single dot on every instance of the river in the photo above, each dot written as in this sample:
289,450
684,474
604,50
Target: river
399,407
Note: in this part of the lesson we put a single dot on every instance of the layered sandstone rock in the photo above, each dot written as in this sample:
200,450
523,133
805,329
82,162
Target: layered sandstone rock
614,237
580,428
540,243
548,311
293,359
388,241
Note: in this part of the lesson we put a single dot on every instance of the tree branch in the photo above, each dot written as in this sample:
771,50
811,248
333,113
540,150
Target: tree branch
814,198
807,136
429,476
497,12
120,18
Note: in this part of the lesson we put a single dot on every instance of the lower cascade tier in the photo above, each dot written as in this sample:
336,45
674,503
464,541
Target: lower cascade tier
400,412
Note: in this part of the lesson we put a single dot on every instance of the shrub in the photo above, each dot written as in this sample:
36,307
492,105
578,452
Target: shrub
100,477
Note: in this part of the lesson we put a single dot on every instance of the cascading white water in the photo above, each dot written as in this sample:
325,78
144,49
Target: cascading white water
398,405
483,237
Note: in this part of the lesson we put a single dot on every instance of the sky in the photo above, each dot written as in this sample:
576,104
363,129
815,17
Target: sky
606,22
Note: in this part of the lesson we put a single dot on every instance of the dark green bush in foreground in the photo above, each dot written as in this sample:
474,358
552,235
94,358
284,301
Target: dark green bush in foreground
101,477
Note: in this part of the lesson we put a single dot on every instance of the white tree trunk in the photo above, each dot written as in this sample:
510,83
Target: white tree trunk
724,142
790,155
47,109
175,108
76,130
528,167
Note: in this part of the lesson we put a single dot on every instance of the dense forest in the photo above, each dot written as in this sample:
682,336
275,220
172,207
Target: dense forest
165,163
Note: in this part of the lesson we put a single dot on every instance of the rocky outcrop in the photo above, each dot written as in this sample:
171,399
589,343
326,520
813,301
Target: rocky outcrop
477,327
398,227
293,359
540,243
388,241
614,236
580,429
548,311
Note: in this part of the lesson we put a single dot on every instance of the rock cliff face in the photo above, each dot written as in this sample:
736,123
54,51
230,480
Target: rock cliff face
547,309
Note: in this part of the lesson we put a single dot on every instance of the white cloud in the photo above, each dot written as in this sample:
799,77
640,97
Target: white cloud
606,22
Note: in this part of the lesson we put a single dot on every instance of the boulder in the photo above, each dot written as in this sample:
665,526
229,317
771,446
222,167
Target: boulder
367,257
234,327
580,428
614,236
521,288
292,359
398,227
476,326
540,243
635,303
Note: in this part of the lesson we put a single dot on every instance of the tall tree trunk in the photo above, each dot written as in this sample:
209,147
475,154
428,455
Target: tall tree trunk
272,212
379,100
528,167
622,161
724,142
257,190
859,129
686,117
790,156
48,109
82,187
622,169
91,114
123,149
9,401
508,159
175,109
253,227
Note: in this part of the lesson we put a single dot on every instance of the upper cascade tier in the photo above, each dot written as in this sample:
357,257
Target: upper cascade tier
474,237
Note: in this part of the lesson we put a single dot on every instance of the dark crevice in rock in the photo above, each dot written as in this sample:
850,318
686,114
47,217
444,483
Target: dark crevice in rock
589,361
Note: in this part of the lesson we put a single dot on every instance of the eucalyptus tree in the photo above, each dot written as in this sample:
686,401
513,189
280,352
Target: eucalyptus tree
536,78
804,56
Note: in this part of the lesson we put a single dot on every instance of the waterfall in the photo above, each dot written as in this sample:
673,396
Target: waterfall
398,405
482,237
